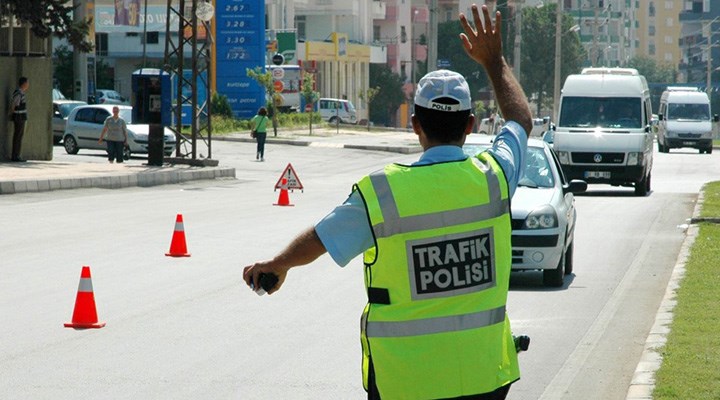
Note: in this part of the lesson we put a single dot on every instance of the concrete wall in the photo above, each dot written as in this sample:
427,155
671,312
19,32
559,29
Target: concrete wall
37,142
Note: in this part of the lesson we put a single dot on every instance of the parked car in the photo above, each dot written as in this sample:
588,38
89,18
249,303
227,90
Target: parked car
543,212
487,128
337,110
107,96
57,95
85,124
61,110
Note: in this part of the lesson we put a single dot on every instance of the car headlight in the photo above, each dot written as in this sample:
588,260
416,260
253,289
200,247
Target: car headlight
634,158
563,157
542,218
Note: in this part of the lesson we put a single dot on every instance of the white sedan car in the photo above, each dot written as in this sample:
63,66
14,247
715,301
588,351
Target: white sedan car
85,123
543,212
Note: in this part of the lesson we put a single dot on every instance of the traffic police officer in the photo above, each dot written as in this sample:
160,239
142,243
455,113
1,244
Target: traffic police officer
436,242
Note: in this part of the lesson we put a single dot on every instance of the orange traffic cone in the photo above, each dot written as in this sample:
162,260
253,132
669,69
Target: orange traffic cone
85,314
284,198
178,247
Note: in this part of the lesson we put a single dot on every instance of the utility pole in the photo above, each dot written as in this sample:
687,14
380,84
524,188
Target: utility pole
594,53
518,38
432,37
84,63
558,60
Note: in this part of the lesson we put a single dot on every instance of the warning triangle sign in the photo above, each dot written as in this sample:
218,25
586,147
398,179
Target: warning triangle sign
293,182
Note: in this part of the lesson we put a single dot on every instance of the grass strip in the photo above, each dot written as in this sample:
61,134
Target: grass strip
691,358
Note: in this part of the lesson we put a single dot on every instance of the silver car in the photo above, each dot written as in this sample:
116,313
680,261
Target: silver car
61,110
543,212
85,124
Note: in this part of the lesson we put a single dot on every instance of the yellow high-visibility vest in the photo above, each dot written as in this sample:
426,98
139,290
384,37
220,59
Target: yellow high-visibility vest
437,278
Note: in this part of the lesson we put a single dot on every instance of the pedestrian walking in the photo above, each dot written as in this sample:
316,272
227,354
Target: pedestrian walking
19,116
115,135
258,126
436,239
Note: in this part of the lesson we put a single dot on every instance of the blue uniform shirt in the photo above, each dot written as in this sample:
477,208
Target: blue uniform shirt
346,233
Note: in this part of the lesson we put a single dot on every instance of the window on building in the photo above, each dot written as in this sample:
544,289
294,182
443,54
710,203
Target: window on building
651,9
449,15
669,57
403,34
300,21
669,4
669,22
651,30
669,40
152,37
376,33
101,44
651,49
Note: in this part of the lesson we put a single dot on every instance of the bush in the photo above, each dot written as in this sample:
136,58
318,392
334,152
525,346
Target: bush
222,124
220,105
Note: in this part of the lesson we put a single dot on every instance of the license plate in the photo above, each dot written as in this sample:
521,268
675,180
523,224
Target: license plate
689,143
597,174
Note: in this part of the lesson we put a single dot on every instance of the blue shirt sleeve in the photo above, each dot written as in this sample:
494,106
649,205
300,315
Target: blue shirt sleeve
509,148
345,232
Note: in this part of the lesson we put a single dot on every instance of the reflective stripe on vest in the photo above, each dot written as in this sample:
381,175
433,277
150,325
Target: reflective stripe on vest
394,224
430,326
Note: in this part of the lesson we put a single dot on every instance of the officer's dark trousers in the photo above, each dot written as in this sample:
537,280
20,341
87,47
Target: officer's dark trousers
19,125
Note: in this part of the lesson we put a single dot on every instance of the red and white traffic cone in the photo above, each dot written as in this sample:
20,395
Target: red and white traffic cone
284,198
85,313
178,247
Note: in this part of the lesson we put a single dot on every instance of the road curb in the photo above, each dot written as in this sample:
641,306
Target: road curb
643,380
115,181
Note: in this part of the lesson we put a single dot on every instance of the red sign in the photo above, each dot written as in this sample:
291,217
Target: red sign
293,182
278,86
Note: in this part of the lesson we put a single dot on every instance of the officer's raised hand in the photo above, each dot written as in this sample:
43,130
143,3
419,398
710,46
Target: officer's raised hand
484,43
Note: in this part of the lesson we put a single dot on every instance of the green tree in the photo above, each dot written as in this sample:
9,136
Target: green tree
369,96
265,80
538,52
50,17
309,94
452,51
390,96
648,67
63,70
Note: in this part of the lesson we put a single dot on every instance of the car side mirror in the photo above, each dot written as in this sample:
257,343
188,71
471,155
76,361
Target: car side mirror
716,118
575,186
660,117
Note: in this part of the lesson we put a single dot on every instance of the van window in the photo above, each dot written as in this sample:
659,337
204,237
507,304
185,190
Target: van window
698,112
604,112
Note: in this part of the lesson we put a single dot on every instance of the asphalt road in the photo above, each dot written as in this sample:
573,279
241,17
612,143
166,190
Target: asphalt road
188,328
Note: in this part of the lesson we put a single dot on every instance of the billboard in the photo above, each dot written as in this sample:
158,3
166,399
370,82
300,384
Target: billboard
239,44
129,15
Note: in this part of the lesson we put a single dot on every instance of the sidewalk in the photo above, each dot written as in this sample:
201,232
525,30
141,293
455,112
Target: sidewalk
40,176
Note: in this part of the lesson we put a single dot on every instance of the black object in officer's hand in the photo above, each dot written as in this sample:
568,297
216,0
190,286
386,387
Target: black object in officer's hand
267,282
522,343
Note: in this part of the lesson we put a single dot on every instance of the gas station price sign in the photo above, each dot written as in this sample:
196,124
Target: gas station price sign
240,44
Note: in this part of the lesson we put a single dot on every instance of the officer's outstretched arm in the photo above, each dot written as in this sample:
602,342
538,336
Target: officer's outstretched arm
304,249
484,45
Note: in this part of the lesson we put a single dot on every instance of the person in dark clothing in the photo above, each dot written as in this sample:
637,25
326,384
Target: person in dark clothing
18,114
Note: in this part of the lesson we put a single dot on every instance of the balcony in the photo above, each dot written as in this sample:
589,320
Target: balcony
378,10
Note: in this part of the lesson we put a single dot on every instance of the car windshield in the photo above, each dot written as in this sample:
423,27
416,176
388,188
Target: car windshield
537,173
603,112
696,112
126,114
66,108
